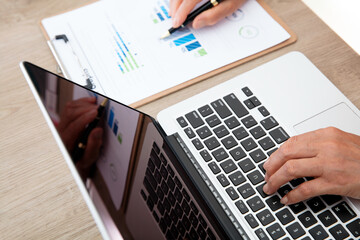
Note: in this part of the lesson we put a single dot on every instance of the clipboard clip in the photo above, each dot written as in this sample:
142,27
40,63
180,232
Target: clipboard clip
89,79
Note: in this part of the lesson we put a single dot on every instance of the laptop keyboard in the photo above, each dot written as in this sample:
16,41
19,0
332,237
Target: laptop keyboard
235,145
178,216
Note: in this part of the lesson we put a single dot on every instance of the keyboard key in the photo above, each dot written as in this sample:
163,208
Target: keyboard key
261,234
214,168
331,199
318,233
221,108
229,142
202,221
211,143
221,131
201,232
193,234
255,177
285,216
261,191
205,111
246,190
295,230
237,178
232,193
279,135
220,154
194,119
185,206
246,165
344,212
266,143
339,232
275,231
247,91
182,122
257,155
213,121
171,172
271,151
223,180
234,103
249,144
297,207
249,121
274,203
284,190
257,132
315,204
269,123
307,219
180,227
255,101
263,111
232,122
265,217
228,166
296,182
251,220
211,235
354,227
193,219
194,208
261,166
249,104
240,133
189,132
205,155
241,206
186,195
197,144
327,218
204,132
155,158
255,203
237,153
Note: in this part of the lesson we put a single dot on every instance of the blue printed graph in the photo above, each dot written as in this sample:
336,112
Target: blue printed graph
183,39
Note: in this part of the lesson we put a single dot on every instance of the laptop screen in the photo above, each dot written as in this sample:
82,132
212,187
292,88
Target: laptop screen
104,139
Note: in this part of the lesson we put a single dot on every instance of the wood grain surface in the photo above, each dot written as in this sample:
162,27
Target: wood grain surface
38,196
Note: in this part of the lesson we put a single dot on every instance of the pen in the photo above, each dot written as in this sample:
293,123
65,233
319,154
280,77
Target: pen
192,16
80,147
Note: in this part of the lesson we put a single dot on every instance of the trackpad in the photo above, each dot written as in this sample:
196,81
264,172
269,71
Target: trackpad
340,116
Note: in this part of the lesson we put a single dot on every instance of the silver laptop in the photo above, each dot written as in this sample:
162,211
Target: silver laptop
197,173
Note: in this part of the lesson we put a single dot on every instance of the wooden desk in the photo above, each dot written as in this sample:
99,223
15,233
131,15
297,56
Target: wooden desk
38,196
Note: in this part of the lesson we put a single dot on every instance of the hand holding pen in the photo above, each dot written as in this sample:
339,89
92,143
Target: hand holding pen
180,10
79,130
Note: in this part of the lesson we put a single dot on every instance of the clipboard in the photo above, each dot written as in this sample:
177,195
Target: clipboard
60,44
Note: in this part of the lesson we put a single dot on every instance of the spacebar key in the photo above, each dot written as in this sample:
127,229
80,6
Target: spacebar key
236,105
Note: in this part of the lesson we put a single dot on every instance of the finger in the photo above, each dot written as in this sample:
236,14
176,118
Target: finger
93,146
300,146
174,5
293,169
74,109
215,14
73,130
309,189
183,10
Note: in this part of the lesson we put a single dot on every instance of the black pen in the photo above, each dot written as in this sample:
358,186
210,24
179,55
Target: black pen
192,16
80,147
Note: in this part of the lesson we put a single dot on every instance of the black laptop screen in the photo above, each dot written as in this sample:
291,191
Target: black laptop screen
103,144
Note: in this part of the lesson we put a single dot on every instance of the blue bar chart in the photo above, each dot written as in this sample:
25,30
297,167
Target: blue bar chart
113,124
126,59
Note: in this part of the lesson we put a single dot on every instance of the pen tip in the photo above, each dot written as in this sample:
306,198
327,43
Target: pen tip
165,35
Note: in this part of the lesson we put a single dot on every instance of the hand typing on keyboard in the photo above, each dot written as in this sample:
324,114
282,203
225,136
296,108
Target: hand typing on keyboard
330,156
179,9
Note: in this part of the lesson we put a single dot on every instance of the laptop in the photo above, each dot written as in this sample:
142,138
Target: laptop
196,172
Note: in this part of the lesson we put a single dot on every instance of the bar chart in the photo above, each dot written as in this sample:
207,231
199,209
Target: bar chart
126,58
183,39
113,124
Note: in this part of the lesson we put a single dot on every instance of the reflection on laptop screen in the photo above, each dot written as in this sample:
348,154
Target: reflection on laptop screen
104,153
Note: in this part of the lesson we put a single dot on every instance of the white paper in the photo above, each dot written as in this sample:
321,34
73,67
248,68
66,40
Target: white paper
118,44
